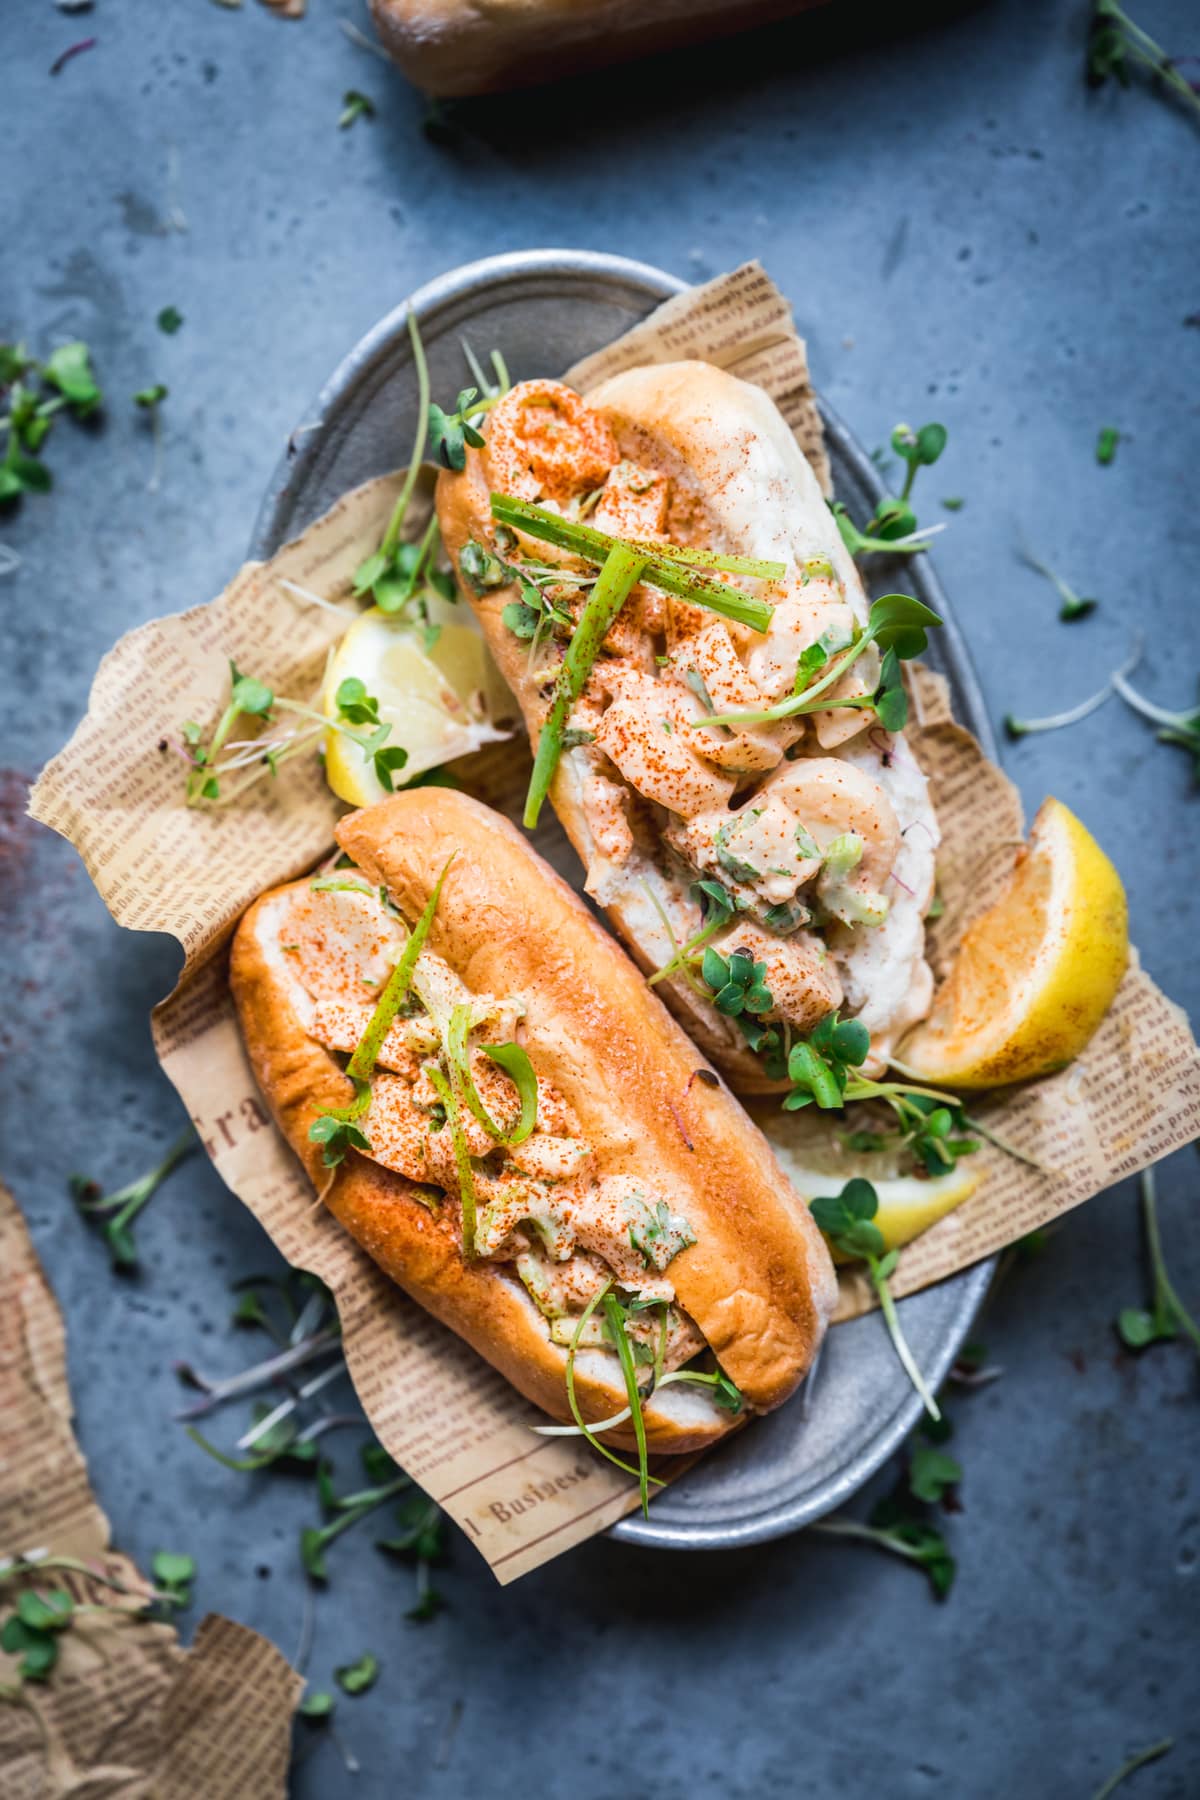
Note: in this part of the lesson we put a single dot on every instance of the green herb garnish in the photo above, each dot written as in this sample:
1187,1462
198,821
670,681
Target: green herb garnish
1166,1315
1131,1764
31,409
355,106
1114,41
847,1221
1106,445
1073,606
358,1677
125,1203
896,623
169,320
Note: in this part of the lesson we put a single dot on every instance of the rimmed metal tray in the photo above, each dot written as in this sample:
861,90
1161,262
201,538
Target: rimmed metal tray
545,309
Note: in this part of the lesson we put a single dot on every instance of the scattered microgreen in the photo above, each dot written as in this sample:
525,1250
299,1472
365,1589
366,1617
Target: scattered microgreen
931,1473
173,1575
1115,41
1116,683
348,1510
914,1539
954,503
847,1219
355,106
169,320
358,1677
897,624
151,397
33,393
1106,445
1166,1315
317,1706
1073,605
1138,1760
892,529
1179,728
119,1208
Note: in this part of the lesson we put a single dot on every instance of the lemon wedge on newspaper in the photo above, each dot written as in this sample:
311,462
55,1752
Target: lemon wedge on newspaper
1036,973
816,1165
436,688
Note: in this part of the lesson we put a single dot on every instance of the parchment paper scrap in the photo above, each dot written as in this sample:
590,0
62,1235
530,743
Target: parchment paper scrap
127,1710
452,1424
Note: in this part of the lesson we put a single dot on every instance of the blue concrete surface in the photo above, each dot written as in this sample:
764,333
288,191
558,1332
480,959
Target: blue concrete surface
966,234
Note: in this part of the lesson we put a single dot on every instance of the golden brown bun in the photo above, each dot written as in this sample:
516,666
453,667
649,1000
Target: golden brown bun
758,1282
455,47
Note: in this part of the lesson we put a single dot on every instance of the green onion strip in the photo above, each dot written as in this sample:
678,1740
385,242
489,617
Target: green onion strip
621,569
666,566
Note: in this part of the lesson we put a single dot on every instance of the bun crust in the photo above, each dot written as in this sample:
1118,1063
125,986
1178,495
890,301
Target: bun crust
758,1281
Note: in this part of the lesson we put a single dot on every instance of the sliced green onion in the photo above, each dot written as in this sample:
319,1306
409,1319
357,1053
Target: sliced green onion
663,566
517,1066
621,569
462,1157
362,1064
614,1312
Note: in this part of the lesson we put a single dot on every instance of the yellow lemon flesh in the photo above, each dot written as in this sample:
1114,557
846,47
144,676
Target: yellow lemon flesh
439,701
1036,973
815,1165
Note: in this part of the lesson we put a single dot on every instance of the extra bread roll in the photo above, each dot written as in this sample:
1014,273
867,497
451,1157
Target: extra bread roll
457,47
756,1284
688,454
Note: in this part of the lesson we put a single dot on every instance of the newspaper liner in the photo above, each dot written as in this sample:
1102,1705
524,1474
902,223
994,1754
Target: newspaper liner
127,1710
452,1423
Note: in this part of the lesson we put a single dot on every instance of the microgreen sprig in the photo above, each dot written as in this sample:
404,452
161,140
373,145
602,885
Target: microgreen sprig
1180,728
34,1629
125,1203
1166,1316
717,908
1114,40
1073,605
31,409
847,1221
896,623
918,449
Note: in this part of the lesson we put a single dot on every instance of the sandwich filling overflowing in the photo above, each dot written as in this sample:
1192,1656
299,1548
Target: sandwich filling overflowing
802,845
532,1200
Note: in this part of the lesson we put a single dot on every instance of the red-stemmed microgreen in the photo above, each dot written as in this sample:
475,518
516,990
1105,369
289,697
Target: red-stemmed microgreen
1166,1316
120,1208
1115,40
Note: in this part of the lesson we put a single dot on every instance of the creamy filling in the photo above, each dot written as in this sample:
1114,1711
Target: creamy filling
819,828
543,1210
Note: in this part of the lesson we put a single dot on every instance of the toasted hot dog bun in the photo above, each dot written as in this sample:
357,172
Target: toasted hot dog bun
739,483
757,1282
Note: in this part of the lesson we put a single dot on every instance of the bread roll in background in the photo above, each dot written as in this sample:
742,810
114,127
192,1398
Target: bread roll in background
451,48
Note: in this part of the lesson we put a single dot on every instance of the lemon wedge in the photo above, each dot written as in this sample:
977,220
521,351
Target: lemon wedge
815,1165
1036,973
439,700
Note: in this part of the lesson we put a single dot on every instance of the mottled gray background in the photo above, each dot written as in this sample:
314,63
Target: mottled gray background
966,234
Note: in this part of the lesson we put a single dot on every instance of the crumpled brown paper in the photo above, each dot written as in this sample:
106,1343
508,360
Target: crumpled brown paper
116,792
127,1710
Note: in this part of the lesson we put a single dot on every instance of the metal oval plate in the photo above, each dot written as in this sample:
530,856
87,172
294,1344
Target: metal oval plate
545,309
